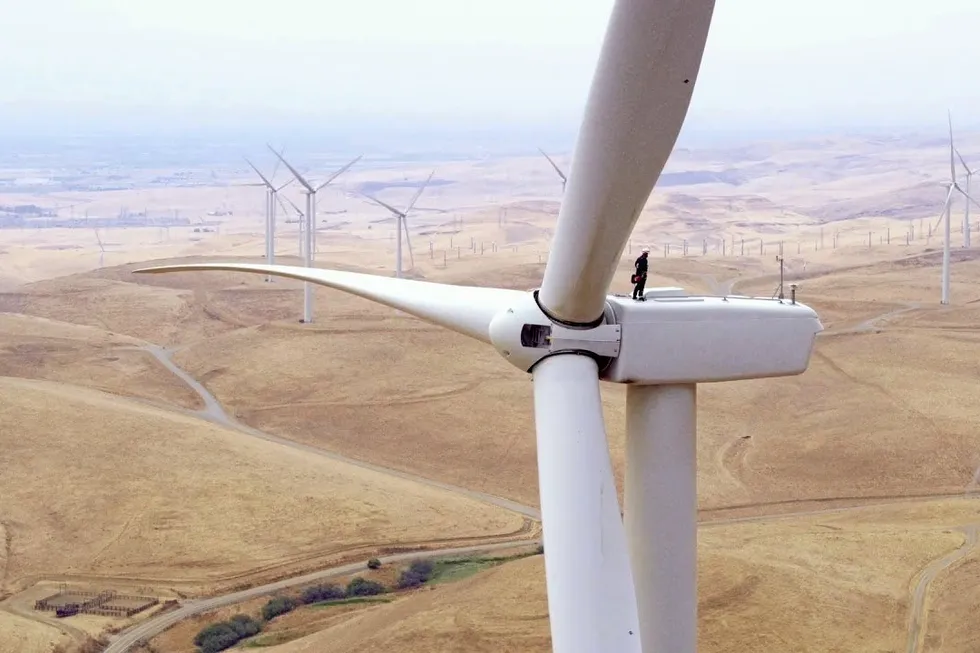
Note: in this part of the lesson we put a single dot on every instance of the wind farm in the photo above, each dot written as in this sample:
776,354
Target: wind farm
775,451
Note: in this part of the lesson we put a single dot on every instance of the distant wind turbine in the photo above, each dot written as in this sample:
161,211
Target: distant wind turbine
101,248
966,212
401,220
947,207
270,212
310,234
300,219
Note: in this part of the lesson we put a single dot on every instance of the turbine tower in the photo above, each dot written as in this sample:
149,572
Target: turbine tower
309,241
300,219
953,185
564,179
401,219
966,210
271,191
617,582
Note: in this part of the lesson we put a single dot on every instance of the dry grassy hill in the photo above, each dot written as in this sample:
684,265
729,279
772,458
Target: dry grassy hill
160,497
104,491
819,583
39,348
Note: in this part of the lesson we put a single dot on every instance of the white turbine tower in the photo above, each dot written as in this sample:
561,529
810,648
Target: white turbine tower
271,192
953,185
613,588
401,219
309,242
101,248
966,210
564,179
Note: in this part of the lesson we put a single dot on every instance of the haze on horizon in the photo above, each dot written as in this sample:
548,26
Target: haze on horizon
770,64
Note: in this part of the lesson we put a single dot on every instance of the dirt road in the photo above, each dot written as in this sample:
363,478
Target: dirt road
213,412
129,638
917,617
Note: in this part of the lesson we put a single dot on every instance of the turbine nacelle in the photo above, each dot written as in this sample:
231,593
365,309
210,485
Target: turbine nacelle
695,339
670,338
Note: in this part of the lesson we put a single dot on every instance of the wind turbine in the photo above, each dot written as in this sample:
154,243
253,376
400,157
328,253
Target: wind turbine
564,179
953,185
101,247
270,214
401,219
310,235
966,211
617,582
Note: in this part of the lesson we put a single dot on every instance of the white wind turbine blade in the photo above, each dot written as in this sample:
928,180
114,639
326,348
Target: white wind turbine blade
299,213
282,206
591,597
963,161
408,240
942,214
418,193
464,309
339,172
404,216
295,172
98,238
636,107
375,200
275,168
266,182
952,162
564,179
966,195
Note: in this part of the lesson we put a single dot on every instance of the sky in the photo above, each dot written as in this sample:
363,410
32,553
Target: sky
769,64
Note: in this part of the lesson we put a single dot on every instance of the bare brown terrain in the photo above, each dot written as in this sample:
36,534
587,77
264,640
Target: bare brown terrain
115,481
827,582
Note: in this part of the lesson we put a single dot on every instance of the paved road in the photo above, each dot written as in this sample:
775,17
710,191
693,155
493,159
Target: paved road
127,639
917,617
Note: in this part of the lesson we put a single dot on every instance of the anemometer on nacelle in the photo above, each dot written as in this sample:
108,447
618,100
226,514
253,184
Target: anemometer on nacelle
652,342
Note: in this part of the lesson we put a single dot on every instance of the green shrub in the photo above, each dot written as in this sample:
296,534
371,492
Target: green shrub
417,574
244,625
374,563
361,587
320,593
277,606
225,634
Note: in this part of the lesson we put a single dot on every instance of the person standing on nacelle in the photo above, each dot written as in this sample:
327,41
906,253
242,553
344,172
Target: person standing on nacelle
640,274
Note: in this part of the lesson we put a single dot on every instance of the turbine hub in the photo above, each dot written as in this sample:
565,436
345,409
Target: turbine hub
524,335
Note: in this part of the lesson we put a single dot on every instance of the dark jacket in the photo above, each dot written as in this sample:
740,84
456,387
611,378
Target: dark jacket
641,264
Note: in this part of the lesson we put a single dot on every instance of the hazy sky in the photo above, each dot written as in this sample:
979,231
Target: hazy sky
769,62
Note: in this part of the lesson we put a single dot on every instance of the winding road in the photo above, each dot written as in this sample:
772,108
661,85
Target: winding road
215,413
917,613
